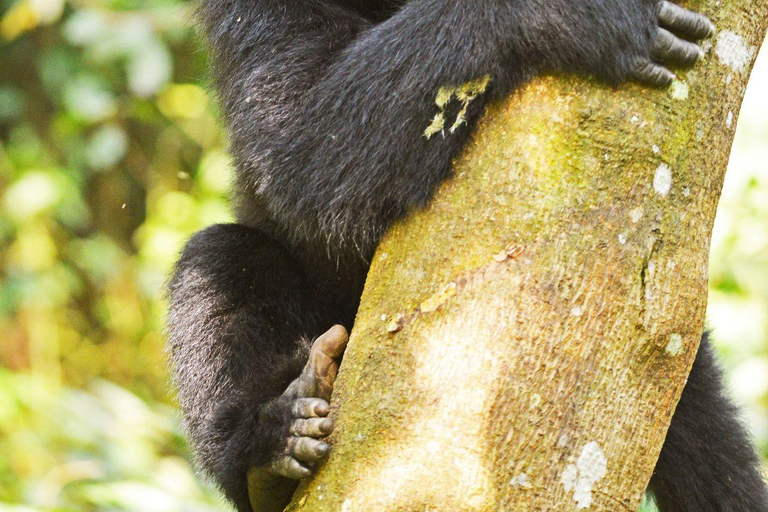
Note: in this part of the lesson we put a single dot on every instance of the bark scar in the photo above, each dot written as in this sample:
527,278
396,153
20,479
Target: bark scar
436,301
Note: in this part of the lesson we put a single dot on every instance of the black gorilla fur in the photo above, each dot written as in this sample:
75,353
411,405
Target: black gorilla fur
326,102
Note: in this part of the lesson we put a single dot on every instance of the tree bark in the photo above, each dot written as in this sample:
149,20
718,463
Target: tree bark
523,341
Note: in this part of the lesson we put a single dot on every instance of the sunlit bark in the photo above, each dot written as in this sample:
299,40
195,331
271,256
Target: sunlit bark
522,342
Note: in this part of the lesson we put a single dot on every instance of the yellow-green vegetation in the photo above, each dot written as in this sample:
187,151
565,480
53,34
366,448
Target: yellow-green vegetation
464,95
110,156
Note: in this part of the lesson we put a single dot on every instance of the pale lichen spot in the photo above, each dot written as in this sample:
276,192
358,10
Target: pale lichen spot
675,345
733,51
662,180
590,468
569,477
577,311
656,149
634,119
464,94
521,480
635,215
622,239
729,119
679,90
687,191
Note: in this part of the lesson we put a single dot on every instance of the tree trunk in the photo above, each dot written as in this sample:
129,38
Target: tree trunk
522,343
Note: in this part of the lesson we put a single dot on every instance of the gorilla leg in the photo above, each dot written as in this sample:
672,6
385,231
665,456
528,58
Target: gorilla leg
708,463
240,324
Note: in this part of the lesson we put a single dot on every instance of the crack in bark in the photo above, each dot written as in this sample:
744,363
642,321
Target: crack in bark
645,284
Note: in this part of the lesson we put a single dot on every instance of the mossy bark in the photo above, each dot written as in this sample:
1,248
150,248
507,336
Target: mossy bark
522,342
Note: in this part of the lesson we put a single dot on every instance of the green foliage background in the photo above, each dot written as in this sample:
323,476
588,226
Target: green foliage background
110,156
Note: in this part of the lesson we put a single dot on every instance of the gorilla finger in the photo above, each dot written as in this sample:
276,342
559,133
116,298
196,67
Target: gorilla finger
690,24
312,427
322,363
333,342
303,386
652,74
307,449
667,47
290,468
310,408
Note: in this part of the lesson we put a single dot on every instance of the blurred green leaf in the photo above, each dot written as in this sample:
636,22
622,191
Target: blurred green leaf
12,103
34,193
149,69
107,146
88,98
86,27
